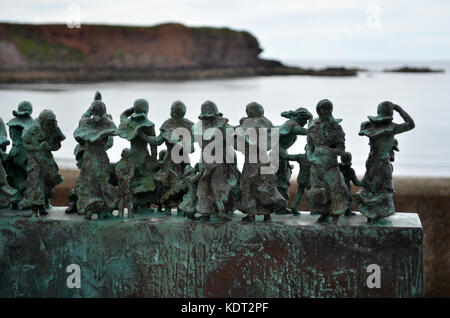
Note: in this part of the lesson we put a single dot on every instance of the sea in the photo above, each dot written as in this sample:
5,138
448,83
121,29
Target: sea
424,151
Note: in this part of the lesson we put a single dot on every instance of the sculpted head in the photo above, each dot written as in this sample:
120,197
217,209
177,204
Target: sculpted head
325,110
254,110
47,121
178,109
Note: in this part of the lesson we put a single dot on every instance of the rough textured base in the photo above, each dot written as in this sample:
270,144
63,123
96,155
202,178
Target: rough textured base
159,256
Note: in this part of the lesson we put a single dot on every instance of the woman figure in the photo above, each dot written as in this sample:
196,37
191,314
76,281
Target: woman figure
288,136
258,189
17,160
135,127
376,196
219,180
8,194
94,192
329,195
172,170
43,137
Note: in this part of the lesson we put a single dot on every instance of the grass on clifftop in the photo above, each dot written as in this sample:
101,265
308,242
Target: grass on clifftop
46,52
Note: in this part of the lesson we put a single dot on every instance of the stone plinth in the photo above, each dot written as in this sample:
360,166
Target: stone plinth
167,256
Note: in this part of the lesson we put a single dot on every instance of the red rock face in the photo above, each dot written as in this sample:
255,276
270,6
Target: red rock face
167,46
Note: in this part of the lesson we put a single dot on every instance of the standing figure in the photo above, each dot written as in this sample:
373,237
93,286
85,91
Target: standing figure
43,137
345,166
94,191
376,197
288,136
220,179
258,189
135,127
8,194
79,152
157,198
303,179
124,171
328,196
17,161
171,171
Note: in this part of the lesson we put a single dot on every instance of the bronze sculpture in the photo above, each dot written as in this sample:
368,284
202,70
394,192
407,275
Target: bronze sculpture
328,196
40,139
345,166
289,131
258,190
219,179
124,171
95,193
169,175
17,160
376,197
135,127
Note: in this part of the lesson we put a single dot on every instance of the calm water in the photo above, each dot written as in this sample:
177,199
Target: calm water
424,151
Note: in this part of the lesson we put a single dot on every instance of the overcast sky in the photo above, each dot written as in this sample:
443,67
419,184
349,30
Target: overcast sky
286,29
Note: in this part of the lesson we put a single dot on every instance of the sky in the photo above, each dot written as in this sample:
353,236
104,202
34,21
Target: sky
286,29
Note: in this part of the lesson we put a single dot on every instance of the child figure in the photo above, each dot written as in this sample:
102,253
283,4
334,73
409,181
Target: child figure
345,166
124,171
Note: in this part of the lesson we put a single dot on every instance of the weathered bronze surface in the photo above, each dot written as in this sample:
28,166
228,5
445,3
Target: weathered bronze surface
155,255
376,197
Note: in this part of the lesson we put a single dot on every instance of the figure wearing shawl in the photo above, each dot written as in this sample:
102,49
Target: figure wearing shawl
17,160
135,127
94,191
328,196
170,173
8,194
376,196
219,182
79,152
259,193
288,136
43,137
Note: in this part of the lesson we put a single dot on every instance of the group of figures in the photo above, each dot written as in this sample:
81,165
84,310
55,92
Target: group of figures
143,179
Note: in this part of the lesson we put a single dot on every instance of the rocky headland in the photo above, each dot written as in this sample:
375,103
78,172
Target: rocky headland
55,53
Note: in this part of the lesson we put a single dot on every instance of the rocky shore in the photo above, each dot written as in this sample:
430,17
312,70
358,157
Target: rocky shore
57,54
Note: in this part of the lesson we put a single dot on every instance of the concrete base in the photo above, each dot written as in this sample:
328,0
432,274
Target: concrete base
155,255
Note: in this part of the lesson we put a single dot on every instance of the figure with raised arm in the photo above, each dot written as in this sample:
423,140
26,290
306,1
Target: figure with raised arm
376,197
135,127
289,131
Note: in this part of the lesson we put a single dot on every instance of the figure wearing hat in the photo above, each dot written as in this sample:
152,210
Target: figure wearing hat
376,196
259,193
329,195
43,137
79,152
171,171
135,127
218,183
95,193
8,194
289,131
16,163
345,166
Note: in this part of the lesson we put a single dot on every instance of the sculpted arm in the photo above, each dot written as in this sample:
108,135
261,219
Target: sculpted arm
407,125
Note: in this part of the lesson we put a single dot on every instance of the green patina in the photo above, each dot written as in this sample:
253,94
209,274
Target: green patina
154,255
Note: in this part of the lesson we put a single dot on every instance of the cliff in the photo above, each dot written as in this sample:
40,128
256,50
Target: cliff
30,53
